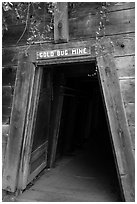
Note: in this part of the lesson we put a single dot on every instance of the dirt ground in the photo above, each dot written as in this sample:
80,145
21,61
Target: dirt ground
76,178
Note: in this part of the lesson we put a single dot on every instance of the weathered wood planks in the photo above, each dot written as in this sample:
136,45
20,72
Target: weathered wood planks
7,95
125,66
83,23
61,32
10,56
12,37
8,76
5,133
130,112
55,120
12,157
8,83
84,8
6,113
124,44
117,118
124,51
119,22
132,133
128,90
121,29
29,130
116,6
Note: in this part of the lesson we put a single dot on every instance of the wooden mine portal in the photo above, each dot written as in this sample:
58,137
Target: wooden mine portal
67,104
71,125
73,98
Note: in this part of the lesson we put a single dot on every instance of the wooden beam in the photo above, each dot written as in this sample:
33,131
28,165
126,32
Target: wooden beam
61,33
55,121
116,117
29,158
25,74
29,130
5,134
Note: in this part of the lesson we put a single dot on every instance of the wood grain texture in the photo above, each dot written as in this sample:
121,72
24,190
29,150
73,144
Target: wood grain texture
117,120
10,56
7,95
40,131
9,76
43,113
83,23
12,158
38,152
125,66
6,113
55,123
4,146
128,90
5,133
61,32
124,44
41,127
55,118
130,113
29,129
12,37
132,133
116,6
84,8
119,22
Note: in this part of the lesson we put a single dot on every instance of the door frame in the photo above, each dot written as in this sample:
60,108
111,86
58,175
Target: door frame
15,160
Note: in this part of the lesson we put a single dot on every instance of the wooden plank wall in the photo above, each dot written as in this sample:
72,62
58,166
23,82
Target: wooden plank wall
83,24
117,117
9,68
125,62
8,83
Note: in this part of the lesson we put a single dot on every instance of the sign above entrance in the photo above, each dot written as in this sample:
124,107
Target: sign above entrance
70,52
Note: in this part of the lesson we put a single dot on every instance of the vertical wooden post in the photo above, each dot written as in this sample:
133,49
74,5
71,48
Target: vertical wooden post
116,116
28,129
55,121
25,74
61,30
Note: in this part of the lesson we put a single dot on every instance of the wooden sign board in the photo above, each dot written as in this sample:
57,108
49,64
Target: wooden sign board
60,53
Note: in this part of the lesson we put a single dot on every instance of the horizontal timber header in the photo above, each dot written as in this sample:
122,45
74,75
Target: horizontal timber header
59,53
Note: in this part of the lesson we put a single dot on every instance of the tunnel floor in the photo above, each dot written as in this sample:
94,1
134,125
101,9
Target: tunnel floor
76,178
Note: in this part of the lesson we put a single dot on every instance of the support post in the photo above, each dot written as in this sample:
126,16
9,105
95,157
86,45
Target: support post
116,117
61,30
25,74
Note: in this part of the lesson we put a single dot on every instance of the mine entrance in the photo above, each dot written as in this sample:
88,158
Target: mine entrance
83,148
80,153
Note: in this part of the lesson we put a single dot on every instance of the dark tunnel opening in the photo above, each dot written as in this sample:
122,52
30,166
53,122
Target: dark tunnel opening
84,131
